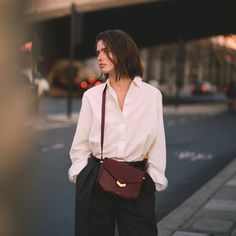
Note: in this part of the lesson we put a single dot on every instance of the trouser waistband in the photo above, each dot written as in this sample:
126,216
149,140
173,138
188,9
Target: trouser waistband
137,164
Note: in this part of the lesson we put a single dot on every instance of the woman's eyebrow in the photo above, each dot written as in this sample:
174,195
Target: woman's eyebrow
102,49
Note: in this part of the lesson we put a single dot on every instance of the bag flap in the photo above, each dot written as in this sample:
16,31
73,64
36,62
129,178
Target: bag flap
123,172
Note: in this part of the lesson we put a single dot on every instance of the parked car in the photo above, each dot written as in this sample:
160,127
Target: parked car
61,84
86,83
204,87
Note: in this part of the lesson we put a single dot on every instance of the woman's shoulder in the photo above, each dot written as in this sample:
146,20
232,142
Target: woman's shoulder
149,89
94,91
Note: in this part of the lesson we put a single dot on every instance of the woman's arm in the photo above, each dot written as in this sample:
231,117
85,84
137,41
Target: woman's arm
80,150
157,152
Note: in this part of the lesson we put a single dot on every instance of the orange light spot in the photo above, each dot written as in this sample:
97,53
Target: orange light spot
98,82
91,79
204,88
27,47
84,84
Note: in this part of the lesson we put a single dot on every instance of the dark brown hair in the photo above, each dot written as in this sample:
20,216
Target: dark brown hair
125,52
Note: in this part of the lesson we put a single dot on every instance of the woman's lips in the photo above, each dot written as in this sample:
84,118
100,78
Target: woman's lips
102,65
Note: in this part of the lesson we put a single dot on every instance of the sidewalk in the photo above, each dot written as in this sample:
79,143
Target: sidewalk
210,211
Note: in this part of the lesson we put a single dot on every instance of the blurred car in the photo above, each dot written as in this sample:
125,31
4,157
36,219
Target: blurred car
61,84
204,87
86,83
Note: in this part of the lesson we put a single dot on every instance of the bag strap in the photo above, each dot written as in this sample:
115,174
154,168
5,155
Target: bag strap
103,120
103,127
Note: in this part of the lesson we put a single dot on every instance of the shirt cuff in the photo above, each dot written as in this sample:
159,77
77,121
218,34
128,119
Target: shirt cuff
72,178
161,186
159,179
75,169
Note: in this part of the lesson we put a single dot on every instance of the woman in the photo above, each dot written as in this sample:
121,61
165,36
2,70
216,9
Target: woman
133,130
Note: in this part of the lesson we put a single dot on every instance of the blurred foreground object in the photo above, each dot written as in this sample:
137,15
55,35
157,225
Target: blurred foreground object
15,137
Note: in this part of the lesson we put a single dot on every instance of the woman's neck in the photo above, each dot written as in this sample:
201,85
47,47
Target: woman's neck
121,88
120,85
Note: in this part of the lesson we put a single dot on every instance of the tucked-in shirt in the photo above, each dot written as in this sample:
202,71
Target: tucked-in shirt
130,135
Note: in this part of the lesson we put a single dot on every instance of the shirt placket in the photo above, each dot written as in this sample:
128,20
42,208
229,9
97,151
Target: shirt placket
122,140
120,144
123,116
123,126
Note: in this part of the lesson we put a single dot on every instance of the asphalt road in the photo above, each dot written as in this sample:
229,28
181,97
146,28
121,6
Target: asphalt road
198,147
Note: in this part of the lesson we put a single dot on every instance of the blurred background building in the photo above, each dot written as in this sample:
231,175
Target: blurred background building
210,60
175,56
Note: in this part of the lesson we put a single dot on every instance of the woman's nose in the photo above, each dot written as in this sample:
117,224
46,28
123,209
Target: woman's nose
100,56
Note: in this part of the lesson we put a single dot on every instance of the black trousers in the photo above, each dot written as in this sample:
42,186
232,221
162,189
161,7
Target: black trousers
97,212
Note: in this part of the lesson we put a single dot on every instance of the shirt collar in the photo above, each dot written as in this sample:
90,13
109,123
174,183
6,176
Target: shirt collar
137,81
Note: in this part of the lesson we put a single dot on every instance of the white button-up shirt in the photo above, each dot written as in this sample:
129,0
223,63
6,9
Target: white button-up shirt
129,135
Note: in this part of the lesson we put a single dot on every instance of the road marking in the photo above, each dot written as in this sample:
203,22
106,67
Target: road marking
53,147
193,156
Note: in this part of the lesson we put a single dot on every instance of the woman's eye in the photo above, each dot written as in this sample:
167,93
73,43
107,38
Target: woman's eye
107,50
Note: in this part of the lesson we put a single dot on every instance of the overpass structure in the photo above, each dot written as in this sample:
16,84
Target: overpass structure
149,22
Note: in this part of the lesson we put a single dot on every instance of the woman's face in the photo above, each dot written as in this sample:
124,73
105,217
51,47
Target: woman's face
105,65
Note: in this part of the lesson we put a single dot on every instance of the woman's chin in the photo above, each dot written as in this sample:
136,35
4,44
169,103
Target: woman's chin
105,71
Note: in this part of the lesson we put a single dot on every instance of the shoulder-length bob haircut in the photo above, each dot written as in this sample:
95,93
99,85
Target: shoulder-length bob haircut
125,52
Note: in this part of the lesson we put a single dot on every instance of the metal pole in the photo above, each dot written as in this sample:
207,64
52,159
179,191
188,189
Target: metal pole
34,49
180,70
35,55
71,64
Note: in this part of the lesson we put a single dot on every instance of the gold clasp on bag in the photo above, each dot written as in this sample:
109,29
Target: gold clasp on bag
121,185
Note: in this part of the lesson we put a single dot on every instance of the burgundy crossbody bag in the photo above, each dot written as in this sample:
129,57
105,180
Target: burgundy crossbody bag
118,178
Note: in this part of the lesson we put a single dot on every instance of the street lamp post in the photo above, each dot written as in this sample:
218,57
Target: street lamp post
75,38
180,61
72,47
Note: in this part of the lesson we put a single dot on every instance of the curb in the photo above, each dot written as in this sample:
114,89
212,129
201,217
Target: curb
187,209
196,109
167,110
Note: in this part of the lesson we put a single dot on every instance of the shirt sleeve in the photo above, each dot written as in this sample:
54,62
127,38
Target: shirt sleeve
157,152
80,150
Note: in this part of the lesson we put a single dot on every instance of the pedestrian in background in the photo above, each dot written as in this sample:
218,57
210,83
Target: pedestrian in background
230,91
134,130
